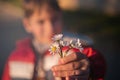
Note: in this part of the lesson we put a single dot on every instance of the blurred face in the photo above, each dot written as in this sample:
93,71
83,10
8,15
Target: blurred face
43,24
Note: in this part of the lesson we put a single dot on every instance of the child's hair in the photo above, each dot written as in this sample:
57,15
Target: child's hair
30,5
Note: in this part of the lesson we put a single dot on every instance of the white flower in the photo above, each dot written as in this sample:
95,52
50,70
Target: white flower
76,44
59,43
64,43
57,37
71,43
54,48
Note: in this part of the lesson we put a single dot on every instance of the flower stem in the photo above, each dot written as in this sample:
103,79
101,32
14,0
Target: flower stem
61,53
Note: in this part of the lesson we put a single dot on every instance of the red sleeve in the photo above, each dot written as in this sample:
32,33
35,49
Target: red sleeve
5,75
97,64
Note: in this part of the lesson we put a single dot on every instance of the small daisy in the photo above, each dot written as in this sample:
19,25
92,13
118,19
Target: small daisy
76,44
64,43
57,37
72,43
54,48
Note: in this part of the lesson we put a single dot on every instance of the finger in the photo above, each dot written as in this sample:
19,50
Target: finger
69,73
67,52
72,57
81,64
69,66
69,58
80,77
67,78
84,64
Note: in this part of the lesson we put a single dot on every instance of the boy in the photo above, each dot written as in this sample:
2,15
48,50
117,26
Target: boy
31,60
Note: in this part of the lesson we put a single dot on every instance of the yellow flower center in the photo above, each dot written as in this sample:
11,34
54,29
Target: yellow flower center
54,48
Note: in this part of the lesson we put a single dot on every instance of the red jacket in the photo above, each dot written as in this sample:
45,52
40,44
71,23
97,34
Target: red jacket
25,57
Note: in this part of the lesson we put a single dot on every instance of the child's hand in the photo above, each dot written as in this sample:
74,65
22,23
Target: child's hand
75,65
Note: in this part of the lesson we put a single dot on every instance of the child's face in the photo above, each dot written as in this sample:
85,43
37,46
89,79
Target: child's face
43,24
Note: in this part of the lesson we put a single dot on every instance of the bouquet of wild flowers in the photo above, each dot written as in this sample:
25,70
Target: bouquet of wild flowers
59,44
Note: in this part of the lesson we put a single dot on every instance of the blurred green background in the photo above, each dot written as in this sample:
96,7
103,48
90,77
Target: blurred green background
103,28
